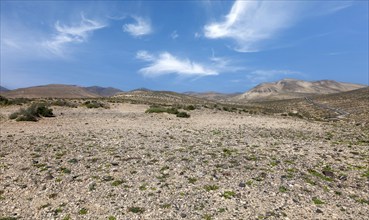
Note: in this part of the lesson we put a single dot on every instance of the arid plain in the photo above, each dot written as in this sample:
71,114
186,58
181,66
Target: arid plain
122,163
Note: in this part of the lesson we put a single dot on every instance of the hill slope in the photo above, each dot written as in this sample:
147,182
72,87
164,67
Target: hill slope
158,97
3,89
292,88
102,91
51,91
214,96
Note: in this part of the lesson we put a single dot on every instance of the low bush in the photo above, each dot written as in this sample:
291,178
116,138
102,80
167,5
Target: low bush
4,101
183,115
158,109
32,113
174,111
189,107
95,104
62,102
16,101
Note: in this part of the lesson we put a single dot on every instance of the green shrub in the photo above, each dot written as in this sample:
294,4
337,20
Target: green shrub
95,104
183,115
174,111
211,187
136,209
32,113
228,194
62,102
83,211
4,101
158,109
189,108
16,101
19,101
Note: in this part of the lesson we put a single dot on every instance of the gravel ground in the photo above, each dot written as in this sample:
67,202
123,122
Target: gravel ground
122,163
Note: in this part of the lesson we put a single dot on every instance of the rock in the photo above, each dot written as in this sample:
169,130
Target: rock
107,178
49,176
183,215
328,173
319,211
242,185
92,186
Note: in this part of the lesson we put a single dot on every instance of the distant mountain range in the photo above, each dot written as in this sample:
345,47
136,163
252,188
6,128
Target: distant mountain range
3,89
280,90
103,91
61,91
214,96
292,88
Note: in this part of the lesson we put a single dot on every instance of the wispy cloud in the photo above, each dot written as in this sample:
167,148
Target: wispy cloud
139,28
144,55
252,23
72,34
166,63
257,76
174,35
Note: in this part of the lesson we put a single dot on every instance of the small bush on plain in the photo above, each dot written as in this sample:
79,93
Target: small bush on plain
32,113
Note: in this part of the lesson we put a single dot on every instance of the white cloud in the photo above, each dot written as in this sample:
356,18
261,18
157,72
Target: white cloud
174,35
72,34
251,23
144,55
166,63
140,28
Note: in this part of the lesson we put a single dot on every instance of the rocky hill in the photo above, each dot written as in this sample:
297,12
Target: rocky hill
51,91
292,88
103,91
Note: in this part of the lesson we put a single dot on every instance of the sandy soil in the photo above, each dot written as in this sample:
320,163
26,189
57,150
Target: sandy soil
121,163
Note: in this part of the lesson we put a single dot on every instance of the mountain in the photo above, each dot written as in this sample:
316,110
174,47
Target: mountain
102,91
214,96
51,91
292,88
3,89
158,97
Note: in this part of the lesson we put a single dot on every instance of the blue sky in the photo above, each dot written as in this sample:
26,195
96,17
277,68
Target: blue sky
224,46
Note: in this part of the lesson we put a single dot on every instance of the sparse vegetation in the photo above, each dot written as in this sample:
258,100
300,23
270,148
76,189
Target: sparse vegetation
217,165
158,109
138,210
283,189
183,115
16,101
83,211
63,102
211,187
228,194
117,182
95,104
192,180
32,113
317,201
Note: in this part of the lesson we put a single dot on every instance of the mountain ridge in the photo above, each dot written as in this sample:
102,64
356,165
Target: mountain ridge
293,88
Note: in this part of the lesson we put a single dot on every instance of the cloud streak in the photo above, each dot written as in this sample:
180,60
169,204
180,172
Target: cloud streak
139,28
72,34
267,75
166,63
250,24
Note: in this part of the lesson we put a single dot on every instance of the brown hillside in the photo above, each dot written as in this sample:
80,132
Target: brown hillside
292,88
50,91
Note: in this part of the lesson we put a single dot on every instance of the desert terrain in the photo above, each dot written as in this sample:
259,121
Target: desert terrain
122,163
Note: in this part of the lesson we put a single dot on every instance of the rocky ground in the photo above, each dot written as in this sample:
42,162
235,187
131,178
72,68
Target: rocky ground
122,163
